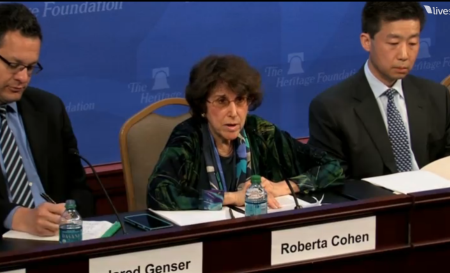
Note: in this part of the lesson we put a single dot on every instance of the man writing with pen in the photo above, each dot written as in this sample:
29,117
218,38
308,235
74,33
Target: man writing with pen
35,136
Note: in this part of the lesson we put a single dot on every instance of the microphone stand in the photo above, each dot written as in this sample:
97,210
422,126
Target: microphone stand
297,206
104,190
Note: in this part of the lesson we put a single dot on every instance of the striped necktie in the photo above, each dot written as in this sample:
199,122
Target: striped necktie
398,135
16,176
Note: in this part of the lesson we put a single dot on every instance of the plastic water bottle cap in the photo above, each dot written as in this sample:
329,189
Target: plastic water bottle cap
256,179
70,204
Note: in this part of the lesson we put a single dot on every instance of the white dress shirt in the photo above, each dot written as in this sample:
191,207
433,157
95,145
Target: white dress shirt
378,89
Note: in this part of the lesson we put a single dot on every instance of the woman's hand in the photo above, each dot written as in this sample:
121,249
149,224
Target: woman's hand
237,198
273,190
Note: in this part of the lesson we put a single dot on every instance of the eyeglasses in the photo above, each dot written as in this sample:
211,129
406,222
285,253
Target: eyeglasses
17,67
223,102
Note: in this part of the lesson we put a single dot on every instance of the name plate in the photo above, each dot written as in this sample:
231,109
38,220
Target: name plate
324,240
14,271
182,259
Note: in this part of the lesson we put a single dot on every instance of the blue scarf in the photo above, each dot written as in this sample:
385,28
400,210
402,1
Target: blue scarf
214,170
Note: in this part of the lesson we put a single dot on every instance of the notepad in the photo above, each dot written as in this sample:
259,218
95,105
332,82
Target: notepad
112,230
410,182
287,203
193,217
91,230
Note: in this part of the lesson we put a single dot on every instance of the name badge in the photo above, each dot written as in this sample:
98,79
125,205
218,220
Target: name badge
324,240
14,271
183,259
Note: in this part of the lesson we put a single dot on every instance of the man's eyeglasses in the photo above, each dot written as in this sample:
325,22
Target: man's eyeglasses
17,67
223,102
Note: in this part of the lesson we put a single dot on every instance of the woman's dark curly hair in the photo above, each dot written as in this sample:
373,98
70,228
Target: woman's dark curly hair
233,71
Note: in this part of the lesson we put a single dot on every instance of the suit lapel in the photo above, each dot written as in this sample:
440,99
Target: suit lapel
416,120
369,113
35,124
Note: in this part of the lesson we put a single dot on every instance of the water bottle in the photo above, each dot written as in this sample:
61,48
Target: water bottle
71,224
255,198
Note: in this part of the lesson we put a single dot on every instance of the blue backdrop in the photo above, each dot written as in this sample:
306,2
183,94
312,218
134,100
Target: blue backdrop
109,60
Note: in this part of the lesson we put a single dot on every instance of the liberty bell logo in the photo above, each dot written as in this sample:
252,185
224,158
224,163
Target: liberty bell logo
160,78
424,50
295,63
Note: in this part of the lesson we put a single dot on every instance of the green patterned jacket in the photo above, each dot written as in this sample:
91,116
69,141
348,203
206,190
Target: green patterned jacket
174,183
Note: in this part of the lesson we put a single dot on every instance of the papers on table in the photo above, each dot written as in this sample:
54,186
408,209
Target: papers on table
410,182
287,203
91,230
192,217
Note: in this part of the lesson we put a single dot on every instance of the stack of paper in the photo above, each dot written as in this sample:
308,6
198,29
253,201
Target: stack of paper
91,230
287,203
409,182
193,217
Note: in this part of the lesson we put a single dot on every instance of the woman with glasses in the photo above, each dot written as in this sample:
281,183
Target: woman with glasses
210,157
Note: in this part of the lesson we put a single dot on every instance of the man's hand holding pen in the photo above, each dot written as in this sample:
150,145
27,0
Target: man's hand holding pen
40,221
47,198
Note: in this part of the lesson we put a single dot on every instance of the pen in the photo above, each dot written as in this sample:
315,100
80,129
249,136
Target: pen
47,198
231,213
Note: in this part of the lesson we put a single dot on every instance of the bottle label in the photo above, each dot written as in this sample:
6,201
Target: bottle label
70,235
255,208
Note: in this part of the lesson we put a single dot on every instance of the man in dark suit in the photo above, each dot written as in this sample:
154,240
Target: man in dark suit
382,120
36,136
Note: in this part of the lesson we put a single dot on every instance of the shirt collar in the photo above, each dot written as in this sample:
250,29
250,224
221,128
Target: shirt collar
378,88
12,106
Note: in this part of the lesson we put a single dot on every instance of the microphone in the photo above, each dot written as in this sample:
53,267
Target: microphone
75,152
297,206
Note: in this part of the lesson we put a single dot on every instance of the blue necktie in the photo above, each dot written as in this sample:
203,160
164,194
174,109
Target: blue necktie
397,134
16,176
